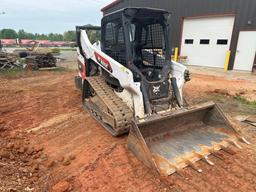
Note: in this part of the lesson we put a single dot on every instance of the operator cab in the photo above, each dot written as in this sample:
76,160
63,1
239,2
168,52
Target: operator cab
138,39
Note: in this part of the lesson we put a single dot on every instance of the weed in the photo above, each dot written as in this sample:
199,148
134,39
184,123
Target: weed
58,50
20,72
12,72
243,100
253,103
240,98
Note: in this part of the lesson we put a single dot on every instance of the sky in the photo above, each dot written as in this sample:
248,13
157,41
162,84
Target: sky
50,16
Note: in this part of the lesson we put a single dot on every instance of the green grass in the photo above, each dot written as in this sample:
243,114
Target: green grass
234,105
55,50
9,72
20,72
12,72
58,69
243,100
22,60
62,49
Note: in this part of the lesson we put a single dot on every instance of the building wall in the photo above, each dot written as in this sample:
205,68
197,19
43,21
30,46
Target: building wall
244,11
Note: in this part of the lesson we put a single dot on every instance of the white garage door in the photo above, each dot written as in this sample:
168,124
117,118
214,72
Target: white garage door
246,50
206,40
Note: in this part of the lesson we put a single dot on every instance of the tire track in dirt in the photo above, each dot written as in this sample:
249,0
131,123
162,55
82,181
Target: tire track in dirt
32,100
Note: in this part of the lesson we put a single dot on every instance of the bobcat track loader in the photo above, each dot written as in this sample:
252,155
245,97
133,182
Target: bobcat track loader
130,84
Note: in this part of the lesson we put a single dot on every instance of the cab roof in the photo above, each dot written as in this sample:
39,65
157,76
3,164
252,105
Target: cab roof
138,12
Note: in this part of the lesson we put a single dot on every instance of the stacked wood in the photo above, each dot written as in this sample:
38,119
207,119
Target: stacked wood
40,60
8,61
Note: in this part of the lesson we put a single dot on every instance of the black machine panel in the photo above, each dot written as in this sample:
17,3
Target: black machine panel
158,90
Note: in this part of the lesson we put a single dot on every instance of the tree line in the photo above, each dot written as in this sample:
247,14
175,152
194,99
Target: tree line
21,34
66,36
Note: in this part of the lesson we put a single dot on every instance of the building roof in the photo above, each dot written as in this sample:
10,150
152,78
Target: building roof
31,41
139,11
8,41
109,6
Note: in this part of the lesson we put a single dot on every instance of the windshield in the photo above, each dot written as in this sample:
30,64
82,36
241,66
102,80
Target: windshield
148,41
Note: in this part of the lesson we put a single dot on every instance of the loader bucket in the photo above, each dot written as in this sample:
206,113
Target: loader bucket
170,142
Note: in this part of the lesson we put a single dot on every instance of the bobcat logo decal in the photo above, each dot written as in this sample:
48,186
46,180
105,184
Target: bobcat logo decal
156,89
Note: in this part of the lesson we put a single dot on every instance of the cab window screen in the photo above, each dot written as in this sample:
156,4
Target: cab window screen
153,44
115,41
110,34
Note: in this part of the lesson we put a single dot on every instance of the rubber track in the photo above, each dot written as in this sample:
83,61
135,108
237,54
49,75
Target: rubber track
118,109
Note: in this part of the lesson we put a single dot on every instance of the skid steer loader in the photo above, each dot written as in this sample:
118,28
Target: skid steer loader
130,84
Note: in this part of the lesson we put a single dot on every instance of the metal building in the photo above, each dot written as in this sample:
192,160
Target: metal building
205,30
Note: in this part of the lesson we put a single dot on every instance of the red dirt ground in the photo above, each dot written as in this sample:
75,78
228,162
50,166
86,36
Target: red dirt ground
48,143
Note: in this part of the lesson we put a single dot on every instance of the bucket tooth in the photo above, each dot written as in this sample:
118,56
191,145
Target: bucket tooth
205,158
173,169
193,166
235,143
245,141
178,171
